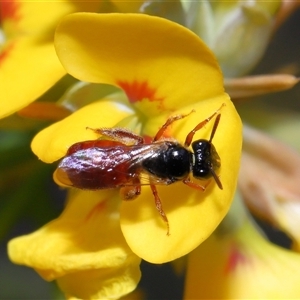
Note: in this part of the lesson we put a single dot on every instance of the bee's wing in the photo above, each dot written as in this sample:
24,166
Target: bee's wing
107,167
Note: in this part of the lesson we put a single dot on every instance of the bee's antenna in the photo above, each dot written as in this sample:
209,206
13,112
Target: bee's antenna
216,178
215,127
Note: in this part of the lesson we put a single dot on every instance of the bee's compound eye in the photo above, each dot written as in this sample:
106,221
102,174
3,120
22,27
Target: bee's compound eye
202,171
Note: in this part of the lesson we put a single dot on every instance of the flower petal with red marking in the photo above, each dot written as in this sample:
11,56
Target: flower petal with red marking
161,65
151,73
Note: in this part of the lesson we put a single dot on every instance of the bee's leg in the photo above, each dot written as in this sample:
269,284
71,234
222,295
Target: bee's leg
159,207
190,136
170,120
121,135
194,185
130,192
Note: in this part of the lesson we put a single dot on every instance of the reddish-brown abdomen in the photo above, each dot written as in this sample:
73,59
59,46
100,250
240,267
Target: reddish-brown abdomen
92,167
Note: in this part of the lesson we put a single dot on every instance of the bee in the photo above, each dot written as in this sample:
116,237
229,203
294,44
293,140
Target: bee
124,160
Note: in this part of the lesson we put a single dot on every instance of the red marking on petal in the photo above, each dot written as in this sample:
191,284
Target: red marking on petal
9,10
234,260
5,52
95,210
139,91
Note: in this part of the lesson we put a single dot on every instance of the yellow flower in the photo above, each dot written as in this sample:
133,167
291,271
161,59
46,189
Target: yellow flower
27,56
163,69
243,265
147,70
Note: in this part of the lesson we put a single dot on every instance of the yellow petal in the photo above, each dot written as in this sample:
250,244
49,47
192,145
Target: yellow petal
53,142
161,65
193,215
242,266
83,249
30,65
28,59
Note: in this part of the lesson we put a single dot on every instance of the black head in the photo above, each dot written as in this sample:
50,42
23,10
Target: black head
206,161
